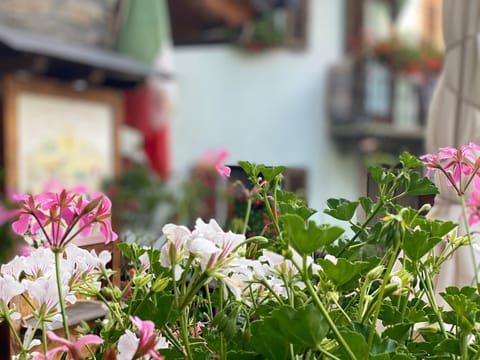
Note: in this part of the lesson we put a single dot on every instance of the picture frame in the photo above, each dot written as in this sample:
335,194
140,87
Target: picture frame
48,135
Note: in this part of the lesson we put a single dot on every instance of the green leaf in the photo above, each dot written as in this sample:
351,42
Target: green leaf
420,185
305,326
343,272
269,173
367,204
449,346
398,332
465,303
418,243
250,169
380,176
160,311
403,357
309,237
409,161
341,209
357,344
289,203
441,228
242,355
267,340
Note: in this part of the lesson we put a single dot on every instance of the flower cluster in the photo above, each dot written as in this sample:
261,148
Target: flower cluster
55,219
312,293
460,168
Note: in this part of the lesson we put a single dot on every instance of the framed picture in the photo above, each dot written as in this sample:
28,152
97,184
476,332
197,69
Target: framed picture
54,135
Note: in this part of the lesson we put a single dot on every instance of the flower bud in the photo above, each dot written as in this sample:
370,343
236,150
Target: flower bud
375,273
160,284
141,280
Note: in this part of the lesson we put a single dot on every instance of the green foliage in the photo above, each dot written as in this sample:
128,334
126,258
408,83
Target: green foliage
304,290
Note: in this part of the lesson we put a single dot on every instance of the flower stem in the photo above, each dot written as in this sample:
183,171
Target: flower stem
427,285
381,292
375,211
184,328
60,295
10,324
247,216
304,271
472,250
464,346
44,338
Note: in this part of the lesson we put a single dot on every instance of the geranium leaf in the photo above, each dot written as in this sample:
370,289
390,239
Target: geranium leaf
289,203
270,172
416,244
441,228
267,340
419,185
309,237
343,272
305,326
409,161
341,209
357,344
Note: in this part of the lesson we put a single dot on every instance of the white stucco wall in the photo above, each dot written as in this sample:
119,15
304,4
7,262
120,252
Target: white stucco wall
266,107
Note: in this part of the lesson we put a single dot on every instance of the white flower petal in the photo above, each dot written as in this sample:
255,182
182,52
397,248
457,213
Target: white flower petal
127,346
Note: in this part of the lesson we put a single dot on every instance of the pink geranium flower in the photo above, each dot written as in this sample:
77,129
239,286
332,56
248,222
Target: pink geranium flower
73,348
210,158
458,165
57,218
473,204
221,169
144,342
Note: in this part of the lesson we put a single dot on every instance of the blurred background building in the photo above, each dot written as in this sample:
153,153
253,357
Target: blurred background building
323,87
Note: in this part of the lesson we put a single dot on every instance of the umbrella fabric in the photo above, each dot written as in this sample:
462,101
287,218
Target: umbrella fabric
454,120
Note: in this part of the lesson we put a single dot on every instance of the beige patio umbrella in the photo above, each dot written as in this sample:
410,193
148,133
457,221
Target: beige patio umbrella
454,120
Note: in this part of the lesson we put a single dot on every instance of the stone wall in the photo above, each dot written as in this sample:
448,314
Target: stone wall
91,22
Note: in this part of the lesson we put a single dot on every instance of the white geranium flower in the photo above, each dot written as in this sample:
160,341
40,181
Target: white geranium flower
14,267
44,291
177,236
145,261
209,231
9,287
127,346
41,262
204,249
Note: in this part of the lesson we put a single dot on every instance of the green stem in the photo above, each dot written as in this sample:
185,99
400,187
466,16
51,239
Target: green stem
184,329
10,324
316,300
209,301
427,285
247,216
370,217
60,295
273,216
472,250
173,339
107,304
464,346
292,351
273,292
44,338
381,292
192,290
223,355
328,354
